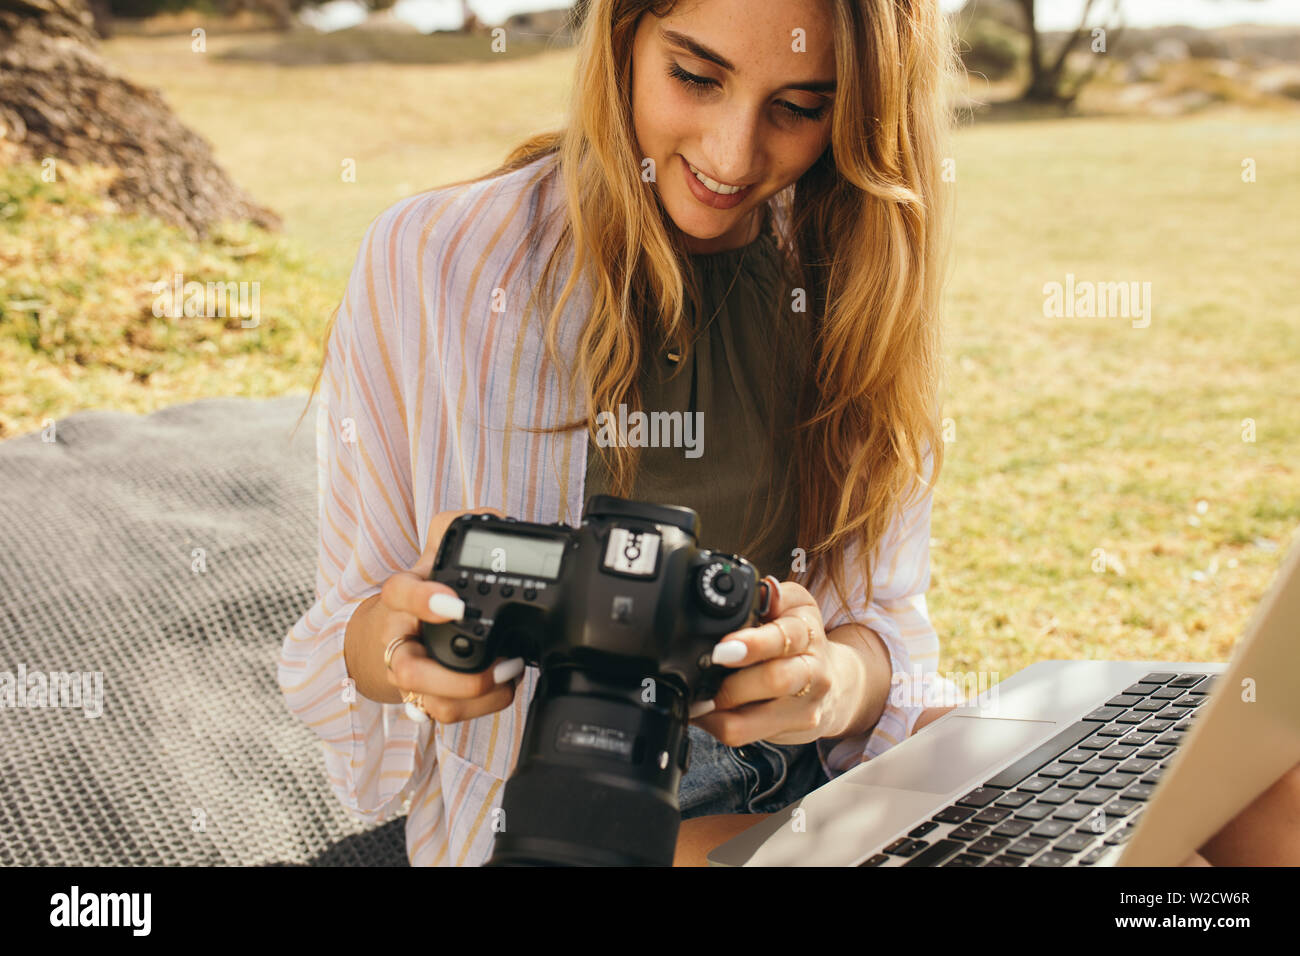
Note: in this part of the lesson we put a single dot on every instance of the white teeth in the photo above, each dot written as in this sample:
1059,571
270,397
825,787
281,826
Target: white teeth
715,186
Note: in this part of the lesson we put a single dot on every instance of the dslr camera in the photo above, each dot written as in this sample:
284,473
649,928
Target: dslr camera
621,615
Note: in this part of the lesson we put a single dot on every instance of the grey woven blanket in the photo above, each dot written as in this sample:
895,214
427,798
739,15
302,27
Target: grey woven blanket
149,569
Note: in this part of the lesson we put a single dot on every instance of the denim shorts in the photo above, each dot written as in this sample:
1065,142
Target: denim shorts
757,778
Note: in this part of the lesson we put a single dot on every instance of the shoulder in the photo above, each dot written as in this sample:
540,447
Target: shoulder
429,257
444,228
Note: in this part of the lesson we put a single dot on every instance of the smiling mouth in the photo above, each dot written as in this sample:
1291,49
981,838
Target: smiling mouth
709,192
712,185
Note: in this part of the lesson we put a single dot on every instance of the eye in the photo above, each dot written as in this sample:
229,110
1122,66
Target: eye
688,79
802,112
701,83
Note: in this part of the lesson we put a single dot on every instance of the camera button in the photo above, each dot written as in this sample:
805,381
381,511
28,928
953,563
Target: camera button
484,587
479,630
530,594
723,584
507,590
462,646
462,582
472,612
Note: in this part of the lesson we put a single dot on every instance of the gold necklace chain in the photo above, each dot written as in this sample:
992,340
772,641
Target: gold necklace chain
676,357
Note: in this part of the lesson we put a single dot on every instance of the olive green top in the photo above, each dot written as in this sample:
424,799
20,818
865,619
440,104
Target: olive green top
742,374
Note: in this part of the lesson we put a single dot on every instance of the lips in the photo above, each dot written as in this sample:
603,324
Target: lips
707,196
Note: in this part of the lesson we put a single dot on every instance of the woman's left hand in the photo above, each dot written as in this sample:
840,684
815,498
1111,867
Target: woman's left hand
791,682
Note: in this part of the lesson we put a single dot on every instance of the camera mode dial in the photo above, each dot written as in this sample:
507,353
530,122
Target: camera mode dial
719,590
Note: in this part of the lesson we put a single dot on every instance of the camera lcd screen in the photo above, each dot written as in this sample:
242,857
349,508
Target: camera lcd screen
523,554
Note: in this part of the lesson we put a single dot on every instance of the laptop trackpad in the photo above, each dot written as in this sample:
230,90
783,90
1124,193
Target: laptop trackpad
950,752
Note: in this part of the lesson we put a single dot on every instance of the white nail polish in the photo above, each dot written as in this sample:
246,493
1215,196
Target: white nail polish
447,605
508,670
701,707
415,713
730,652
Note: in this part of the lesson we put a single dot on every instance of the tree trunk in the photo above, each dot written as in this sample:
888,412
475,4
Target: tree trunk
1042,87
102,11
281,12
469,22
60,99
1046,80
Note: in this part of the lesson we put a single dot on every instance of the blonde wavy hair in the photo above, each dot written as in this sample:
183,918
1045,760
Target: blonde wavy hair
866,238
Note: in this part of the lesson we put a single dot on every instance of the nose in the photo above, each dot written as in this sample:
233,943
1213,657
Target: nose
731,146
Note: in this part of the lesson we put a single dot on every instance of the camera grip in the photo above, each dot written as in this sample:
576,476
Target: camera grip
453,649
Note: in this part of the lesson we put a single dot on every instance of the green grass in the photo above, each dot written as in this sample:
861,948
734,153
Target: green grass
1077,434
77,304
284,133
1071,434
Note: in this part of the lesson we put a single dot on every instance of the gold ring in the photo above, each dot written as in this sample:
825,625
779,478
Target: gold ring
785,651
415,707
807,624
393,645
808,686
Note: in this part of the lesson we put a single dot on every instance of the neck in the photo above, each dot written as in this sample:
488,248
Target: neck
753,229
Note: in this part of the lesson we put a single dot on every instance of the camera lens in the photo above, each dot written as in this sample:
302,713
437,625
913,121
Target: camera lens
592,787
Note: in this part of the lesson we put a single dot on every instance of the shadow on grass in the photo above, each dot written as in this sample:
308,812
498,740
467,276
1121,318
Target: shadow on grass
1014,111
361,45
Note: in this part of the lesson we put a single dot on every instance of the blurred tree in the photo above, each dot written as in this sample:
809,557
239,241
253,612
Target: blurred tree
991,47
469,20
1047,77
102,11
280,12
62,103
136,9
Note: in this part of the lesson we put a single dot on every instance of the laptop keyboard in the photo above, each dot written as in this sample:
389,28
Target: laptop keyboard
1073,797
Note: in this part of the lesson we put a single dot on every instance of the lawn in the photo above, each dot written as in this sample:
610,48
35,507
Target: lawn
1100,497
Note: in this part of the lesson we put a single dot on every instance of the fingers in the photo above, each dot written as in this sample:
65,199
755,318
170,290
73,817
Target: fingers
413,670
771,680
792,612
407,593
779,721
448,696
800,625
409,597
449,710
786,596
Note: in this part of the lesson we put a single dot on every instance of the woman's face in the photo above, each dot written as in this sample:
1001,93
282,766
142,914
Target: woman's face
758,118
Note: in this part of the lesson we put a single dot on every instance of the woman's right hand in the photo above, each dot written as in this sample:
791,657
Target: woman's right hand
406,599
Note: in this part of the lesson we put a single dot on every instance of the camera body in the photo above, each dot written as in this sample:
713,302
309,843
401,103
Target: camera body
621,614
628,592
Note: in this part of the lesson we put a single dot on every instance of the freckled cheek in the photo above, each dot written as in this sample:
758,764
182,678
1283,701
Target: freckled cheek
805,153
655,121
670,119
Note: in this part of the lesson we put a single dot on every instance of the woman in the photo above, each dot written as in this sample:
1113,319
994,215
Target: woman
741,222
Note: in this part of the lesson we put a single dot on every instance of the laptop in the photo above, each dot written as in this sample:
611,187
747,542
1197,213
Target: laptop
1066,763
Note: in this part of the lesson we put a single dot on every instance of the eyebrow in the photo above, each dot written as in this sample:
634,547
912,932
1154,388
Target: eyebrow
704,53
